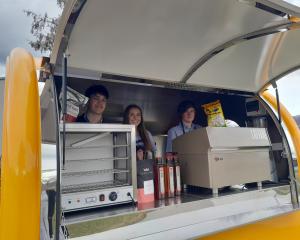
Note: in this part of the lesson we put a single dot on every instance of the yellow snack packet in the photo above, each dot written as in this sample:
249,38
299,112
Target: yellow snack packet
214,113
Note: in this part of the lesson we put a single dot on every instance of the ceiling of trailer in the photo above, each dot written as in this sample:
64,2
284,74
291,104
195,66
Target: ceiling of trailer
162,40
251,64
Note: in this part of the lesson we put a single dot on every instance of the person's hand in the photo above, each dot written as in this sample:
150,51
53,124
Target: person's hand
140,154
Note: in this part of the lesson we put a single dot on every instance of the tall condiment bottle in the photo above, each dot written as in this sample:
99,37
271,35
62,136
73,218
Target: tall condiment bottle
159,183
169,175
177,176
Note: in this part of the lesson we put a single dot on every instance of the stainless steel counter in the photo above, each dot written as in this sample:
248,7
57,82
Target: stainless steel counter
187,216
92,214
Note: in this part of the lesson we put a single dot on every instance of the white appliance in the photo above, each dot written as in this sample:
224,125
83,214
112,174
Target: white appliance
100,166
215,157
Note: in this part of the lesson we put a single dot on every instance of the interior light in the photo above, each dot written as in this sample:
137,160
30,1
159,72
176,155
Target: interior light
283,30
41,87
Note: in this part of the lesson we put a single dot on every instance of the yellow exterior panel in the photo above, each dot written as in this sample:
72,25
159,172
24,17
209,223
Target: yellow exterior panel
21,143
289,122
282,227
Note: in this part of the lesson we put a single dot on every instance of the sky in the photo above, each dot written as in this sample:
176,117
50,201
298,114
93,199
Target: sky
289,92
15,25
289,95
295,2
15,32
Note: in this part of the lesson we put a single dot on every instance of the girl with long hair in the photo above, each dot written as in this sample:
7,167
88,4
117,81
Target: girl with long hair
133,115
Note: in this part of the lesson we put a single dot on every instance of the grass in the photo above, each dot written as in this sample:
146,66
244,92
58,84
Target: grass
101,225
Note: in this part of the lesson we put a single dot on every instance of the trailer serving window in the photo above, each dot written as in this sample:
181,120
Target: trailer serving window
159,104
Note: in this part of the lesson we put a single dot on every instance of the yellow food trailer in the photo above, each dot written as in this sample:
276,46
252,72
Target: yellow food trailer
64,180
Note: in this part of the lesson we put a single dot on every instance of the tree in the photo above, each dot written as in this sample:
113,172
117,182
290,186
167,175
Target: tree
43,29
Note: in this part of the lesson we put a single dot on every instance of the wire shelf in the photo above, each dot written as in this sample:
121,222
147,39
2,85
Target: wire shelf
94,172
99,146
92,186
98,159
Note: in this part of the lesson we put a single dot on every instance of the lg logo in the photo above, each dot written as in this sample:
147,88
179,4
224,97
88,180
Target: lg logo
218,158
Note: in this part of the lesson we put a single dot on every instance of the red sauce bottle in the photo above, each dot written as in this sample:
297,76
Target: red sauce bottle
159,179
177,177
169,175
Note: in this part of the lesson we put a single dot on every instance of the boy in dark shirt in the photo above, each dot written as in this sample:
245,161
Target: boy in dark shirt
96,105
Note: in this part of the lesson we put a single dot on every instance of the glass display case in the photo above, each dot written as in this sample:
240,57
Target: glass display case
100,166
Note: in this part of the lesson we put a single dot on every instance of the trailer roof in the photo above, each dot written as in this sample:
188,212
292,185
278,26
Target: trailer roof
237,45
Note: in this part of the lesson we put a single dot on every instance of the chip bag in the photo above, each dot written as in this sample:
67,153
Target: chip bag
75,102
214,113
